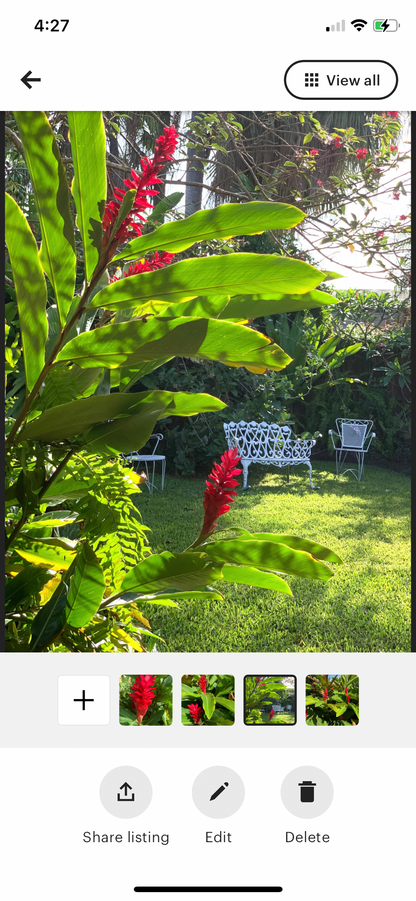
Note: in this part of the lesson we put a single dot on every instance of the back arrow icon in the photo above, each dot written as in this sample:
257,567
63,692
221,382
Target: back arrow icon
26,80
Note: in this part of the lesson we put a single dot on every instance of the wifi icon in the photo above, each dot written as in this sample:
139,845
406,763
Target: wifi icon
358,24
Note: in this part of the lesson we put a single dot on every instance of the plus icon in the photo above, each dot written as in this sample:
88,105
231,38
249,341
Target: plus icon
83,700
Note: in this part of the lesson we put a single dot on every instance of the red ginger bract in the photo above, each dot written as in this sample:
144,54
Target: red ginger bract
144,690
195,712
130,228
203,684
219,493
156,261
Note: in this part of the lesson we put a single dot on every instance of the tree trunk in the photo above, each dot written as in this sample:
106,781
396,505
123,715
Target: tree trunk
116,176
195,173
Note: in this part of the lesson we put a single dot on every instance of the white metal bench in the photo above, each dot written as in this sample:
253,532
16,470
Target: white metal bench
261,442
355,437
153,458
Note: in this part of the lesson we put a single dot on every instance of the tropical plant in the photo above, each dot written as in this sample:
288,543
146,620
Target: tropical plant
332,700
145,700
260,694
73,359
393,368
208,700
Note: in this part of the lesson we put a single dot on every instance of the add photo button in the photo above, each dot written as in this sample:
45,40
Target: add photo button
346,79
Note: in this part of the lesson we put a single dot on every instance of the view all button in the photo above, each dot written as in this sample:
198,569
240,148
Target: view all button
345,79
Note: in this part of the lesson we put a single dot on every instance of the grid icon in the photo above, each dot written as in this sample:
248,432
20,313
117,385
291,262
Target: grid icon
311,79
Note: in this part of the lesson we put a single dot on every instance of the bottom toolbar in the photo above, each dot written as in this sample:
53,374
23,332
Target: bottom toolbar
247,820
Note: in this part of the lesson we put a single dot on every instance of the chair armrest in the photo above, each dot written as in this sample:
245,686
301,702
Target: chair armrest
369,440
333,435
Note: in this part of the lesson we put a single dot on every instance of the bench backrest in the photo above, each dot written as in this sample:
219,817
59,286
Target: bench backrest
258,440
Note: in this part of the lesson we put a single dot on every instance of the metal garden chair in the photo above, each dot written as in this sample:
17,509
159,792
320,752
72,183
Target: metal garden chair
355,437
147,459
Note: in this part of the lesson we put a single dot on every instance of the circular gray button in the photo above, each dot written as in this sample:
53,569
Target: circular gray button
218,792
307,792
125,792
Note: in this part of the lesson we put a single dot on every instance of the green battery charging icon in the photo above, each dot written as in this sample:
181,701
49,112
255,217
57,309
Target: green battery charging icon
384,25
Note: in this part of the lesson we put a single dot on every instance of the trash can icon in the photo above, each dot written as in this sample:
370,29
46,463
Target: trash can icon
307,791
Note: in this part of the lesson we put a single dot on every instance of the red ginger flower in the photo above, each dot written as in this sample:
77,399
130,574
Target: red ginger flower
142,695
156,261
325,694
196,712
164,150
203,684
271,714
218,494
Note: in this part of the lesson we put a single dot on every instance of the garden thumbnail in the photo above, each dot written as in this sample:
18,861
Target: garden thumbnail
332,700
208,395
208,700
270,700
145,700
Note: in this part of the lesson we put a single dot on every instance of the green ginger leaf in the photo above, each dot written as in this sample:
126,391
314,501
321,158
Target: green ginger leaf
89,186
129,344
225,221
48,177
86,588
238,273
30,286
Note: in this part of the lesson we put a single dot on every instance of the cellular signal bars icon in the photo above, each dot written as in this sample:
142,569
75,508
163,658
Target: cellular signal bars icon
339,26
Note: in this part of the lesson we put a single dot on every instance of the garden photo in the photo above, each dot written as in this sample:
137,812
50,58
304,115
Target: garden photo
208,700
270,700
145,700
332,700
207,345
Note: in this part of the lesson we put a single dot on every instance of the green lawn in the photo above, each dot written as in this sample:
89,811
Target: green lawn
365,607
284,719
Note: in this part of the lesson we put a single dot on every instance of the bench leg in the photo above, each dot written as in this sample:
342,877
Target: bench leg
309,465
245,464
287,473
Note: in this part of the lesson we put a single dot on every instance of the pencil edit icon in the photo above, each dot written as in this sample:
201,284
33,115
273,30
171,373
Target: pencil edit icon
219,791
